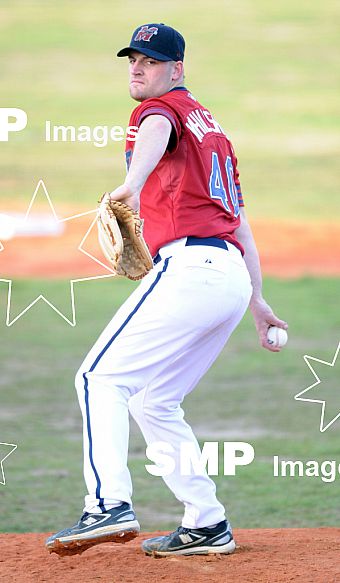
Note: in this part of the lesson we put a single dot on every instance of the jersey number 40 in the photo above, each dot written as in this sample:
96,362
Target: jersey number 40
219,190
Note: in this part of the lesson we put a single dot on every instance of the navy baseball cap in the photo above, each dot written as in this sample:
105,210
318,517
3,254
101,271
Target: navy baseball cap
158,41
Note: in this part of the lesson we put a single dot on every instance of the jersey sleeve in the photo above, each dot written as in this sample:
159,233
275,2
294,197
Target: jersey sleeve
238,187
237,177
157,106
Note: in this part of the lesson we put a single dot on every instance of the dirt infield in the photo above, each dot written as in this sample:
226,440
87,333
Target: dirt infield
262,556
287,249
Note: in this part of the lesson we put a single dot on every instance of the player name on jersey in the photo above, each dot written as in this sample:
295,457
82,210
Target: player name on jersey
197,122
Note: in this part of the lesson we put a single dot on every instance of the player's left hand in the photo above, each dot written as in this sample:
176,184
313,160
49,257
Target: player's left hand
124,194
265,317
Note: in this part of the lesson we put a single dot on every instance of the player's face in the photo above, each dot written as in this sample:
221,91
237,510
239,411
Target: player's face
149,77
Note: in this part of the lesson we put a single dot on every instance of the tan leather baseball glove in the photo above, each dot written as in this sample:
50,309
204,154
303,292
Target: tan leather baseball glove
120,232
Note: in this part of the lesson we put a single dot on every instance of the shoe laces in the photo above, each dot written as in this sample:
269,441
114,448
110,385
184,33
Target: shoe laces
182,530
83,516
179,530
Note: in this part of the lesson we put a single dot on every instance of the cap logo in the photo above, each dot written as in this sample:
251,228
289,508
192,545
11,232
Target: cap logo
145,33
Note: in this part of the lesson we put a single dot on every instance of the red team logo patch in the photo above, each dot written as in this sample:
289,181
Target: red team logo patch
145,33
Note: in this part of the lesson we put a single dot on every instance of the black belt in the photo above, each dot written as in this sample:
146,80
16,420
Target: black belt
210,241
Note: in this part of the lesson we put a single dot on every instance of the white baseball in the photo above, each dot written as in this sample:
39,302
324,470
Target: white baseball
277,336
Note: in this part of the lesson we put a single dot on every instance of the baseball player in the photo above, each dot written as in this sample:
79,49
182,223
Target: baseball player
182,175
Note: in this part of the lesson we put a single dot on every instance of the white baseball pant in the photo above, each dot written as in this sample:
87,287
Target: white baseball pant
153,352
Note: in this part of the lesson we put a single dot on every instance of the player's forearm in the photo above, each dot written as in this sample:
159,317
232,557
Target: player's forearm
245,236
263,315
151,144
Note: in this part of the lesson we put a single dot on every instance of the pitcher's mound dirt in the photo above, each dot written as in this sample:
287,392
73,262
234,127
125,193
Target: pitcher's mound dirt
303,555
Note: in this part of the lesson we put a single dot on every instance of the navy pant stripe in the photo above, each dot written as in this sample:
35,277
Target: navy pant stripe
93,366
89,433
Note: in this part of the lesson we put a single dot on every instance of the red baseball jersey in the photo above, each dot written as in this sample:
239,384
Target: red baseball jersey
194,189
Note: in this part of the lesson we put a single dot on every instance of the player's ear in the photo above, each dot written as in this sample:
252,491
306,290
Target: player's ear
178,71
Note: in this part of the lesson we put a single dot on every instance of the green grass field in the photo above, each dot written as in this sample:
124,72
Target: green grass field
268,72
248,395
266,69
